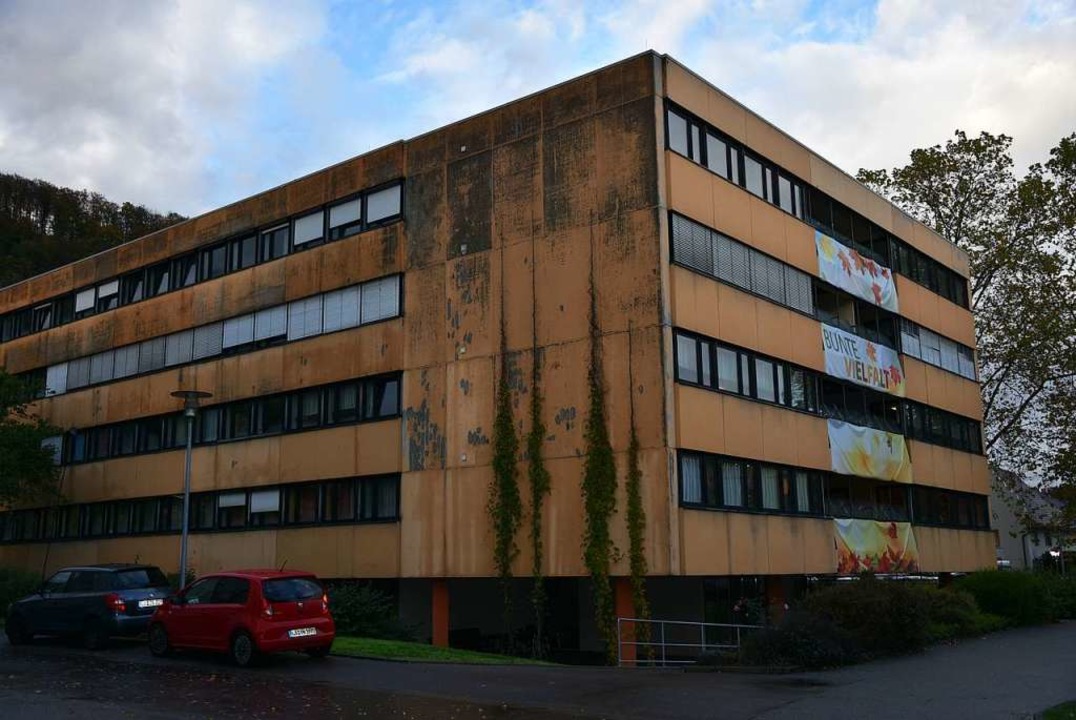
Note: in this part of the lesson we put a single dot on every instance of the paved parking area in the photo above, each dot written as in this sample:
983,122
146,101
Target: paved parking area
1007,675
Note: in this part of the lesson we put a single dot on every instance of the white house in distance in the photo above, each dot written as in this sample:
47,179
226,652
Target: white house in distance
1027,524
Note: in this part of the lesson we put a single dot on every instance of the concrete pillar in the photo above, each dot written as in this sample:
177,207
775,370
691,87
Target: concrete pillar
624,606
776,599
439,612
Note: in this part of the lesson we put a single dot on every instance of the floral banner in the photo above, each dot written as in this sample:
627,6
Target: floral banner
877,546
844,267
867,452
851,357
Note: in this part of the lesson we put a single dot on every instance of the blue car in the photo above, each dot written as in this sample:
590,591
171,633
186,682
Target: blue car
92,602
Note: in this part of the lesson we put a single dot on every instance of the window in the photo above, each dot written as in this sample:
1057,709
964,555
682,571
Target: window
265,507
179,348
232,510
171,513
383,205
381,299
341,309
677,128
230,591
208,425
43,317
56,379
717,156
309,229
121,518
126,361
765,385
150,436
144,516
201,592
274,243
752,172
690,479
242,253
271,324
302,503
271,410
203,511
184,271
85,302
57,583
214,262
238,332
151,354
771,488
304,318
158,279
339,501
125,439
728,377
96,519
345,219
687,368
208,341
305,410
732,484
377,500
343,404
381,398
238,418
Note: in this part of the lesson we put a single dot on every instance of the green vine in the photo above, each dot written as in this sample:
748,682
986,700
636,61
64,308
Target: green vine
599,490
636,536
505,506
539,482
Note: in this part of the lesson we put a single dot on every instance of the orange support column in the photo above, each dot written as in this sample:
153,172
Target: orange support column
625,608
439,618
776,600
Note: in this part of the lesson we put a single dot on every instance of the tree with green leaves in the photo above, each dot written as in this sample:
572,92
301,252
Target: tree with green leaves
1020,236
28,472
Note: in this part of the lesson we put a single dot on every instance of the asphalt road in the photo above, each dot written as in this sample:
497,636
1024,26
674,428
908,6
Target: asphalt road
1007,675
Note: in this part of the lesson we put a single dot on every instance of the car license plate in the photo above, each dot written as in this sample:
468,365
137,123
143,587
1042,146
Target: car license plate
302,632
150,603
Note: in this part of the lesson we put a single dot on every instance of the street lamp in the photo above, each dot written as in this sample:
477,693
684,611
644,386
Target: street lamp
190,400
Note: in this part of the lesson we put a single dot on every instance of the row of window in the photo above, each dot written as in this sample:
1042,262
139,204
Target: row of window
348,500
333,222
345,403
707,251
709,147
716,366
349,307
728,483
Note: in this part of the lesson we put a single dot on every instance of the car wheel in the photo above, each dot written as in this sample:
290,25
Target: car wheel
158,641
243,650
94,634
318,652
18,631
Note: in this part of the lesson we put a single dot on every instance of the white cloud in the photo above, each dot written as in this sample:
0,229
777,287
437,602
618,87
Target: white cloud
133,99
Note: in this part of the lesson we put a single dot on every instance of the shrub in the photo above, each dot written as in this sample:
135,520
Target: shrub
802,639
885,618
15,584
1062,591
362,610
1022,598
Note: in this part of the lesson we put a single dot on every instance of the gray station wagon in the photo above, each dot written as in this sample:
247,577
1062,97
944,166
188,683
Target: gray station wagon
93,602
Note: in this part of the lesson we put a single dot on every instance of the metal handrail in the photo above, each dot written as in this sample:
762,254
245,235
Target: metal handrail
662,659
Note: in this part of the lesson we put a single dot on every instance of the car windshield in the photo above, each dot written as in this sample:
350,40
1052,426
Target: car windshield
290,589
140,578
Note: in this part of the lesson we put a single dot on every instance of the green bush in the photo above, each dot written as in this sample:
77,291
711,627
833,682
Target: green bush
15,584
364,611
802,639
885,618
1022,598
1062,591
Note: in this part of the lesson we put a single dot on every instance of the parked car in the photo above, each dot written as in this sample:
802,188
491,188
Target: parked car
246,613
93,602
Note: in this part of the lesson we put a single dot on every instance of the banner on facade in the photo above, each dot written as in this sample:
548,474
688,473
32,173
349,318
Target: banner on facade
879,546
867,452
851,357
844,267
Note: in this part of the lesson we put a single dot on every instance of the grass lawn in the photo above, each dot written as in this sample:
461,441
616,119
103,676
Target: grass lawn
1064,711
419,652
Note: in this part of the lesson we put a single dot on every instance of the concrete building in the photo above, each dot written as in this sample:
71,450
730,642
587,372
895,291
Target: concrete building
1029,525
796,354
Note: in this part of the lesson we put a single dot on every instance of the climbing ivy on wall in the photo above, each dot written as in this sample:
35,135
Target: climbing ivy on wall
505,505
636,519
539,482
599,489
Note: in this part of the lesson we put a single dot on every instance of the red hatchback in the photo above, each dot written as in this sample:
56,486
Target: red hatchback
246,613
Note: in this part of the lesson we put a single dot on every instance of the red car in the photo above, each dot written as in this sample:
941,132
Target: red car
246,613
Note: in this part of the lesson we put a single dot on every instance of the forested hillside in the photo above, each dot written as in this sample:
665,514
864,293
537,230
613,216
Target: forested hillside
43,226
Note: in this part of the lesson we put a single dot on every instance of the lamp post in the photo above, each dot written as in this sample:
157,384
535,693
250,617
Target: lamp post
190,400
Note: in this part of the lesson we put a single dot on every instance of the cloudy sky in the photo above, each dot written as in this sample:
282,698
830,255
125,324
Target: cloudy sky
188,105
